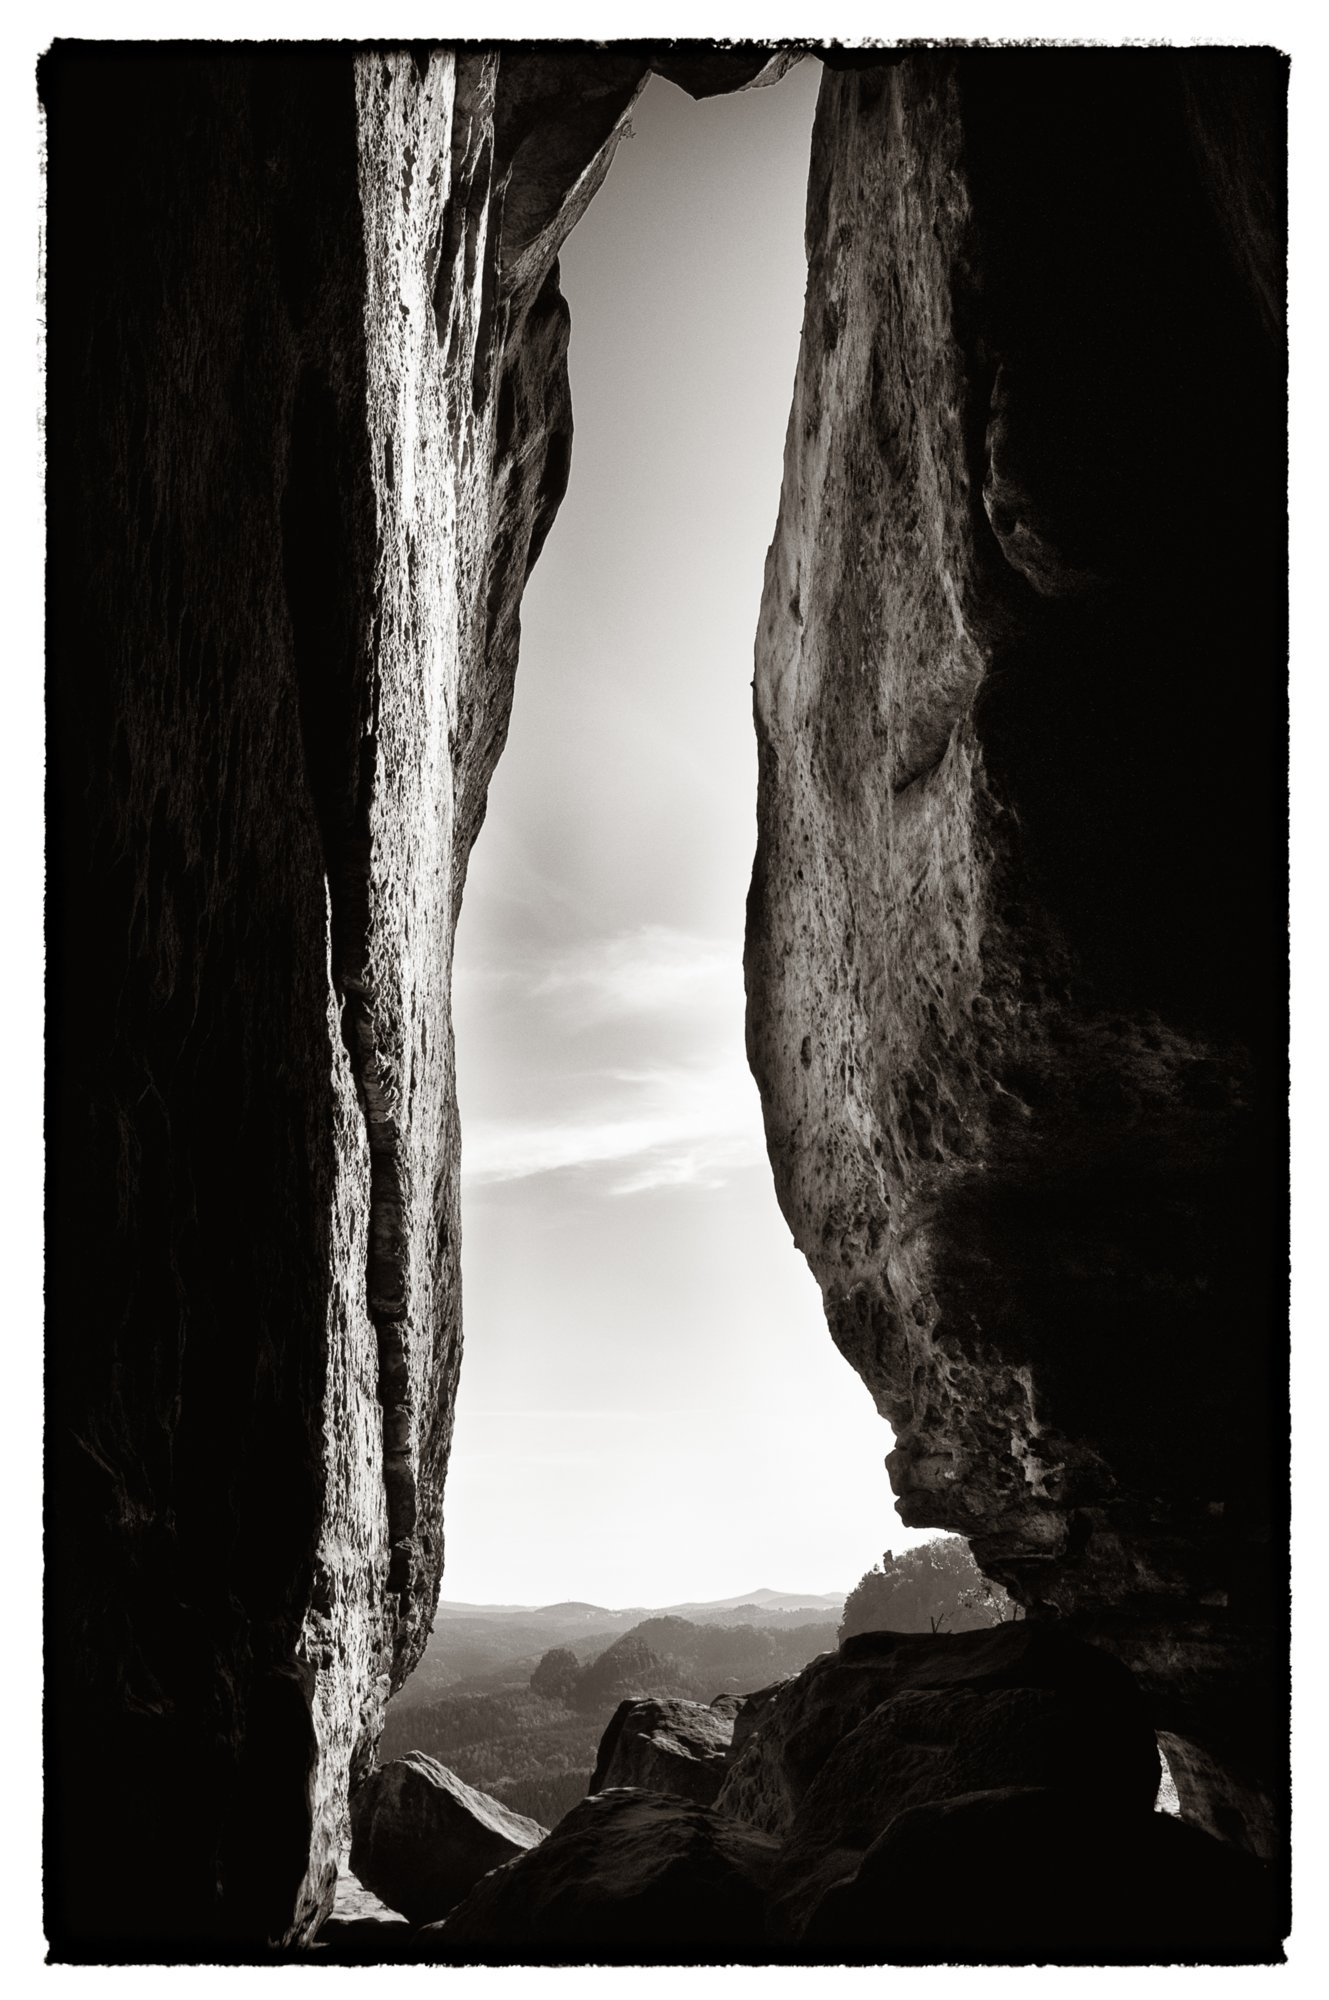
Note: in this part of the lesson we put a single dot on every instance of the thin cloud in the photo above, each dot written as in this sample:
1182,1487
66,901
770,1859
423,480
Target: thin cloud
676,1109
649,970
678,1127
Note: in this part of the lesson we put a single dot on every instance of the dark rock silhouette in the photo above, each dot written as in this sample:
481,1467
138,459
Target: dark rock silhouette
365,1941
899,1719
1027,1876
284,618
420,1838
1016,936
677,1747
627,1876
1024,613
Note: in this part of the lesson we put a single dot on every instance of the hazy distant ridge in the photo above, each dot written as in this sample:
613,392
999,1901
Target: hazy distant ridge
765,1600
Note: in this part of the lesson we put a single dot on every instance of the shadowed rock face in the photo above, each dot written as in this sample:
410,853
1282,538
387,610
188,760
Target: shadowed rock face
420,1838
1028,1875
626,1877
1011,946
309,425
1012,952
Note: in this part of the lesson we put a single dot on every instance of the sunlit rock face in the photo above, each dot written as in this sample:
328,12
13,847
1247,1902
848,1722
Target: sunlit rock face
1011,946
1013,952
309,425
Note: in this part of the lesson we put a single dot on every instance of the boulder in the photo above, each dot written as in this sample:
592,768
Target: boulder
420,1838
678,1747
1020,1874
626,1877
1093,1713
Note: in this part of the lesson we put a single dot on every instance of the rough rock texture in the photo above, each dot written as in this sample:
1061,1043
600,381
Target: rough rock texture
678,1747
308,426
751,1712
1014,964
627,1876
420,1838
219,1631
826,1748
1015,933
933,1744
1020,1875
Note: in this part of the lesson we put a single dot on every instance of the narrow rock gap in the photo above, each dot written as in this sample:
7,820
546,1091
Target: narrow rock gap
598,982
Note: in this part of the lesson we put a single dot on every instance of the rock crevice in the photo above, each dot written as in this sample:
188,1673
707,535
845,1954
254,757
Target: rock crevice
1023,624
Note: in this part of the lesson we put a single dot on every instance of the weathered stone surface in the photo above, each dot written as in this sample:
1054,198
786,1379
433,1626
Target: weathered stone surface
627,1876
1012,956
673,1746
1023,620
220,1638
275,383
1017,1875
420,1838
820,1766
935,1744
309,424
750,1712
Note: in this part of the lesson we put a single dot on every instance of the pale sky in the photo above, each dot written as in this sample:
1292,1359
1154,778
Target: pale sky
651,1408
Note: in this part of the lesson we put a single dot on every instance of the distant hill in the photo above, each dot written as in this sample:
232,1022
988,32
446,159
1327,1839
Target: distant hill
515,1700
573,1609
760,1600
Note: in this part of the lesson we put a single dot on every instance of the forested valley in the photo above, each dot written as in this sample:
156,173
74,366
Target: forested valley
515,1700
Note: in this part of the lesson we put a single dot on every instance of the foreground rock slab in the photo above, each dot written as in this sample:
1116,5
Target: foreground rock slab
627,1877
678,1747
895,1716
1030,1874
420,1838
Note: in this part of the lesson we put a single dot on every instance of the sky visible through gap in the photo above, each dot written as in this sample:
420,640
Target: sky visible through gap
651,1409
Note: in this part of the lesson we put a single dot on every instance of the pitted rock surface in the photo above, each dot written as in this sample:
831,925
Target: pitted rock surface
1013,963
309,425
678,1747
1022,613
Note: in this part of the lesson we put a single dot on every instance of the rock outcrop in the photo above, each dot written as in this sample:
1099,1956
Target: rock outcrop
308,427
1014,966
420,1838
626,1877
1014,936
1023,1876
672,1746
898,1719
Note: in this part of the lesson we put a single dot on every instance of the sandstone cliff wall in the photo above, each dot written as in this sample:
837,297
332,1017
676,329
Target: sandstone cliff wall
1012,957
1013,952
309,425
